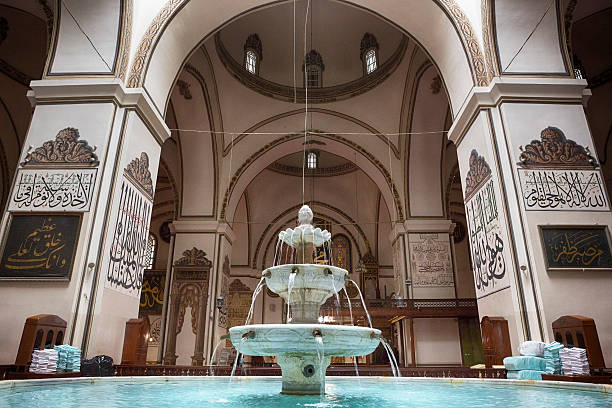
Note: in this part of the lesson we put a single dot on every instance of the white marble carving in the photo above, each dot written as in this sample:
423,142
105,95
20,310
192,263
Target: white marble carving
53,190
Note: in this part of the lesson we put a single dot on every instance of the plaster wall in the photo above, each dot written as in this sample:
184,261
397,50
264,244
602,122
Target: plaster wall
526,44
436,342
91,49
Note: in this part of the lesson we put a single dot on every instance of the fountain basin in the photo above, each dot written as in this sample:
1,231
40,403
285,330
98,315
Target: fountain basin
312,282
278,339
304,350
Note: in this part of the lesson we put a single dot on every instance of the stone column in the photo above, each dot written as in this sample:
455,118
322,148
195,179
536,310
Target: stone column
531,180
175,301
109,138
198,355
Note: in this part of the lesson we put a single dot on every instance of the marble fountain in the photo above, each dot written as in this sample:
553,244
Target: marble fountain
304,346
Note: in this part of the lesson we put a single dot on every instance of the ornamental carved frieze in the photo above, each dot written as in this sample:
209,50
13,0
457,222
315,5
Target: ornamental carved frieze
238,286
555,150
65,149
138,171
193,257
478,173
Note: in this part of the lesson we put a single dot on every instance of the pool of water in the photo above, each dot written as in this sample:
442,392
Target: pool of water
263,392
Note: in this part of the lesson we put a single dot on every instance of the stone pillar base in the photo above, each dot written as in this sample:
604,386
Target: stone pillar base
303,375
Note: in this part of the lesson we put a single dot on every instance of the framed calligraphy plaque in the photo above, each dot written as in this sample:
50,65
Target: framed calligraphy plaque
152,293
40,246
563,189
576,247
53,190
430,260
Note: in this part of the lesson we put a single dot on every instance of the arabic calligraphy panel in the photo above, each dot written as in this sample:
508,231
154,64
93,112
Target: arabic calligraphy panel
487,244
53,190
430,260
580,247
40,246
152,293
556,189
128,247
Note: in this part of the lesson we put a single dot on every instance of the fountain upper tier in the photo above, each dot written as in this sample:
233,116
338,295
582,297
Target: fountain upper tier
304,234
305,287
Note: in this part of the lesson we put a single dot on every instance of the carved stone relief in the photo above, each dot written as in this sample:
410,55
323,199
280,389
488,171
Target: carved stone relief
64,150
430,260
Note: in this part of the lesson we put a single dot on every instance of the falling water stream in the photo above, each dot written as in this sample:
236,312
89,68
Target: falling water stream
212,358
391,357
349,304
290,285
258,289
321,355
355,364
338,304
362,302
237,356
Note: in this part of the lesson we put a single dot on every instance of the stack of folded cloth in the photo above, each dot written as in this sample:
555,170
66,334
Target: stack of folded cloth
553,361
44,361
530,365
574,361
69,358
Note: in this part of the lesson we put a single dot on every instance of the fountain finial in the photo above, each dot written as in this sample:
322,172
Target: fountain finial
305,215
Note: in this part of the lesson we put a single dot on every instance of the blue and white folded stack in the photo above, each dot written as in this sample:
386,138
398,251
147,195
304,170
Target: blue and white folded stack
525,367
44,361
574,361
553,361
69,358
530,365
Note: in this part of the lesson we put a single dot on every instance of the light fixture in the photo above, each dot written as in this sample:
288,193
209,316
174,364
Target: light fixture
220,302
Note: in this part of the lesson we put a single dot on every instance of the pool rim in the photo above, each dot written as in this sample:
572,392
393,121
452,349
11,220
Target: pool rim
576,386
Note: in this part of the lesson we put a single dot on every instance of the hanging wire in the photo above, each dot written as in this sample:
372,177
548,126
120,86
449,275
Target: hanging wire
312,133
305,99
294,76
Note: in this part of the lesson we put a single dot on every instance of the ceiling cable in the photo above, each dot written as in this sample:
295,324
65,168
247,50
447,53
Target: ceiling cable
305,98
432,132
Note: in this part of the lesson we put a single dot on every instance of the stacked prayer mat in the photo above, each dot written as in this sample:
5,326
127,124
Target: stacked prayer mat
553,360
69,358
44,361
530,365
574,361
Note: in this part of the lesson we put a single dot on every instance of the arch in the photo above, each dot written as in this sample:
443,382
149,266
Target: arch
452,46
311,109
292,143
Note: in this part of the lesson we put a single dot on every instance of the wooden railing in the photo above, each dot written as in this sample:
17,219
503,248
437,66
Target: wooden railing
333,370
414,308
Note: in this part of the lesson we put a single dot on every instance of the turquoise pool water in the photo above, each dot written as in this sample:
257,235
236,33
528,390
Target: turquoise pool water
160,392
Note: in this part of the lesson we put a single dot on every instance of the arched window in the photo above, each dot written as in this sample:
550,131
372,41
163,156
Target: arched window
370,61
341,251
313,70
312,160
369,53
150,252
253,54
